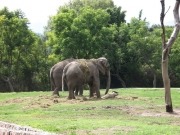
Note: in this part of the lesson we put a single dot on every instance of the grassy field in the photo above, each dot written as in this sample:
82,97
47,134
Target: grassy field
132,112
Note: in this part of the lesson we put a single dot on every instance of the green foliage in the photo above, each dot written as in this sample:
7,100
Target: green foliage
141,52
15,38
87,32
174,59
20,63
80,36
83,29
116,15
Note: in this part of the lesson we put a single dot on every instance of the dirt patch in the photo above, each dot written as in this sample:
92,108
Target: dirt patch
103,131
111,131
45,101
153,111
176,114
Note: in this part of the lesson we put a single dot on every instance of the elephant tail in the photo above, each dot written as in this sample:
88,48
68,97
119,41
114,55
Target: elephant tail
52,79
63,80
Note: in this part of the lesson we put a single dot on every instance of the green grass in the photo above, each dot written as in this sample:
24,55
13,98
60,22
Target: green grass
134,111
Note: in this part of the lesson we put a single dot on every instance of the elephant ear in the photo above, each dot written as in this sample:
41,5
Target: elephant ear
103,65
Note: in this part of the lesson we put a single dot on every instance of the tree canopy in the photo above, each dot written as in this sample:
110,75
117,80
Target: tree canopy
18,46
83,29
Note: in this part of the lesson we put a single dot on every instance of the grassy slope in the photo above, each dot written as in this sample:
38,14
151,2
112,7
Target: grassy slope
134,111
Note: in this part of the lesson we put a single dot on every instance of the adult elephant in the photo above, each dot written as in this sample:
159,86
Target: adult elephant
56,75
82,71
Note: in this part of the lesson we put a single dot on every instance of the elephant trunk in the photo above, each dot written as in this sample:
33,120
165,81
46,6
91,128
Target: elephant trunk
108,82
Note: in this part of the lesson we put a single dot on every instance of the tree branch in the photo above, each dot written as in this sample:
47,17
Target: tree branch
177,25
162,24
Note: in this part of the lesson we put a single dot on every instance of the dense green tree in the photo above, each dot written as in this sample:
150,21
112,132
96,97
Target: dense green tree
20,62
143,53
116,15
174,60
86,29
82,35
14,35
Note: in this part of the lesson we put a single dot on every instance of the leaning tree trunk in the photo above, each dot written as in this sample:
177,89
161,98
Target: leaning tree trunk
8,80
154,80
166,46
121,80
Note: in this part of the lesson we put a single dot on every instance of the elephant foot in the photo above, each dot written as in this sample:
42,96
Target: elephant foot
79,95
92,95
98,95
55,96
70,98
81,98
56,93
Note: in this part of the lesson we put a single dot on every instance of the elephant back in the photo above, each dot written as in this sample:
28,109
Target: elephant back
84,66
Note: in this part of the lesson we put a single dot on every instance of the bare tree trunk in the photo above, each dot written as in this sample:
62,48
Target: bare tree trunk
166,81
122,81
154,81
165,51
8,80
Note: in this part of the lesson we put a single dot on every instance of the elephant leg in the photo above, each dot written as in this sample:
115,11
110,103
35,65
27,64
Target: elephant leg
91,91
58,86
80,90
98,94
56,91
95,89
71,93
76,92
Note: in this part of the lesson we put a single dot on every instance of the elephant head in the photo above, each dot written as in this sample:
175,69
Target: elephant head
104,68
